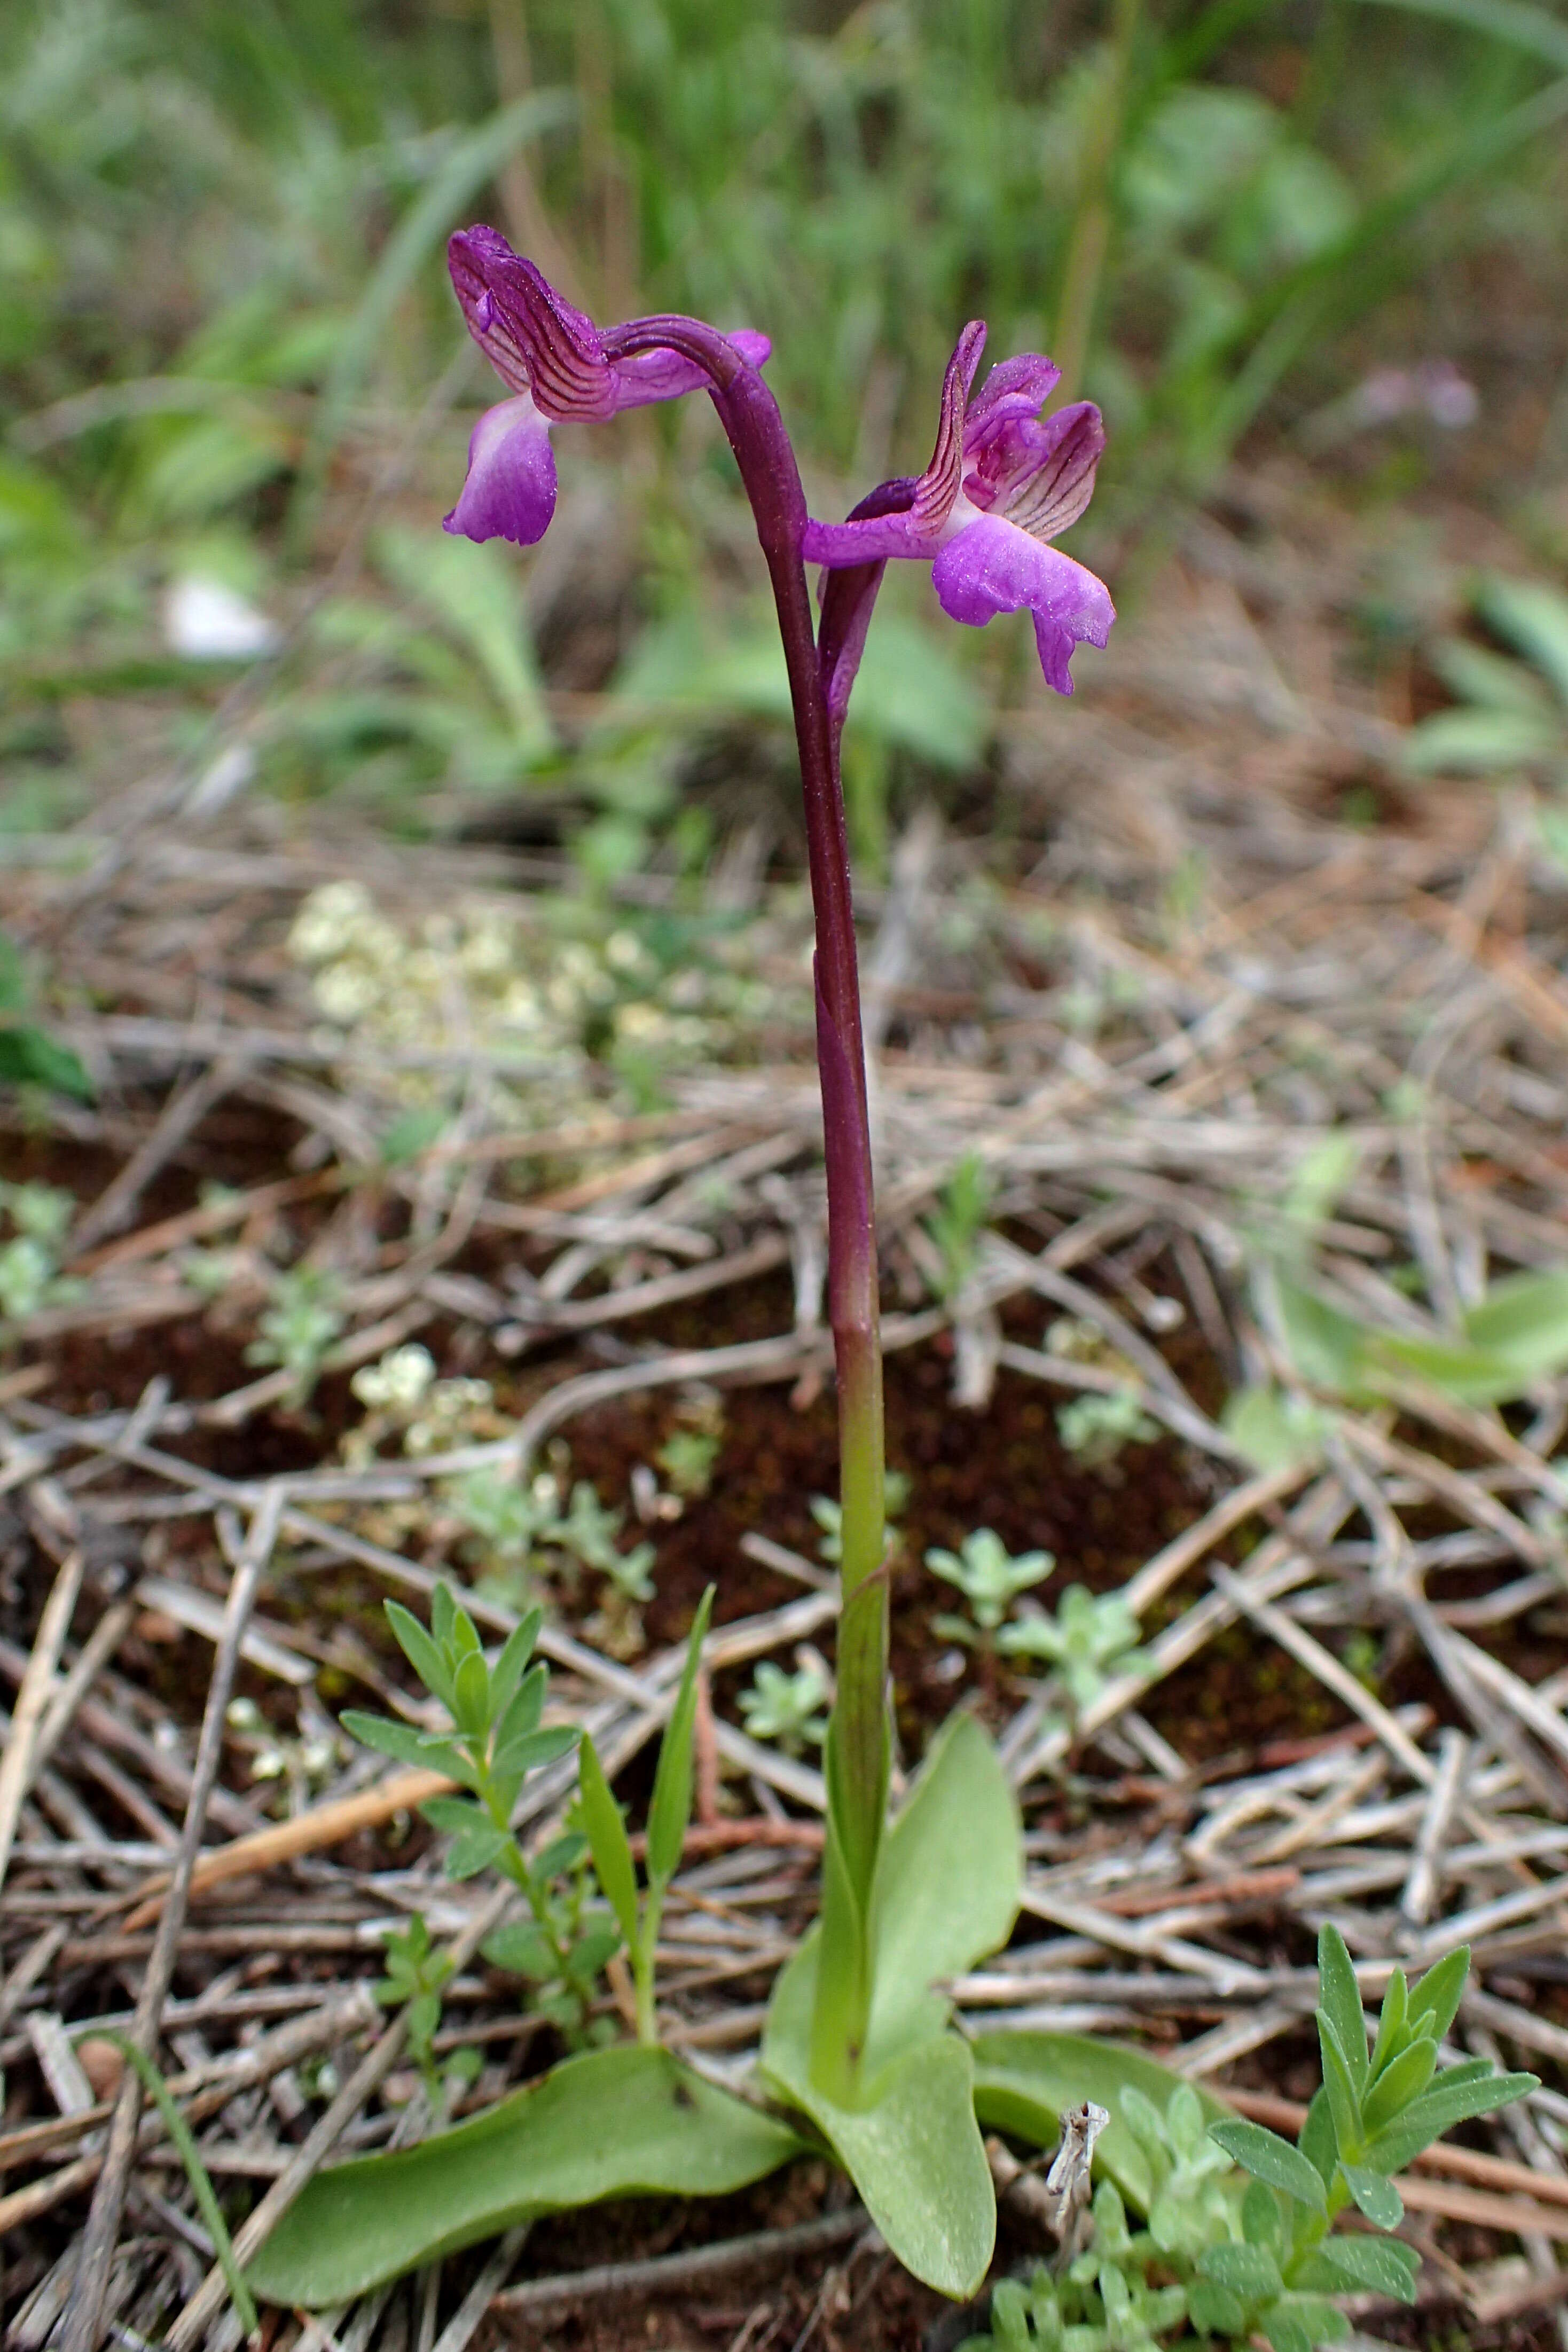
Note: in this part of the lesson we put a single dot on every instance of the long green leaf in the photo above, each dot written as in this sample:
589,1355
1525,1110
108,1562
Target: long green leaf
670,1809
608,1841
615,2123
179,2131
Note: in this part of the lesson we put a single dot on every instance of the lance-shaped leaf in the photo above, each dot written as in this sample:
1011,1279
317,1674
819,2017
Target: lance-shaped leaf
608,1840
671,1810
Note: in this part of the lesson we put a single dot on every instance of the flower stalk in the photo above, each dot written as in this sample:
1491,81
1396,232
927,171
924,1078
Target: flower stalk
1000,485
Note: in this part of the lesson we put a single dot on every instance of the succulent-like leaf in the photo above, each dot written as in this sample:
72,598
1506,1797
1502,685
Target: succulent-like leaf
617,2123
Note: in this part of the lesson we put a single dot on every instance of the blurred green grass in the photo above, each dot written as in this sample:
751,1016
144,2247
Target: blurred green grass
223,322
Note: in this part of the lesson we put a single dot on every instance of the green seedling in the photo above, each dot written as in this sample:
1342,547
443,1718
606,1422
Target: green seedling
990,1578
687,1458
495,1740
416,1974
829,1517
957,1223
1239,2246
29,1056
1091,1637
1094,1428
785,1708
39,1216
669,1815
304,1316
589,1531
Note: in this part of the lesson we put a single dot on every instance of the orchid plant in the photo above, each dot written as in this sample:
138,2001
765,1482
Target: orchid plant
858,2051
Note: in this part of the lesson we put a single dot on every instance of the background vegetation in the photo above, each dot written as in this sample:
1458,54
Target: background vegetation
230,363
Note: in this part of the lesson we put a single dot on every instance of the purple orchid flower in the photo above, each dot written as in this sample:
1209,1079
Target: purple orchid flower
1002,482
555,363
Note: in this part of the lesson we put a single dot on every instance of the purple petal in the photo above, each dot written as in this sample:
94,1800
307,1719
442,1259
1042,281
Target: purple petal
1016,387
510,489
1037,472
531,334
992,566
665,375
939,485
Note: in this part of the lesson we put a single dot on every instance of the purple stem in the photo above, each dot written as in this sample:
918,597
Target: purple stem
858,1753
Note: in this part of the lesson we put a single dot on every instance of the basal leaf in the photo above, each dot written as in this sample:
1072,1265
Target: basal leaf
616,2123
1022,2082
911,2141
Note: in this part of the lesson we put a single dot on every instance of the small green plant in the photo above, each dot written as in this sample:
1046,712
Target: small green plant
785,1708
39,1216
303,1316
687,1458
990,1578
669,1814
507,1519
829,1517
495,1740
1242,2259
1512,714
589,1531
29,1055
1103,2302
416,1974
957,1223
1094,1428
1091,1637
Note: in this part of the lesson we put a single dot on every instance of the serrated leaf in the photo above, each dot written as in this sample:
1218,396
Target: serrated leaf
1377,2198
615,2123
1399,2085
1270,2159
1249,2272
670,1809
1339,1997
420,1651
1439,1992
608,1840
